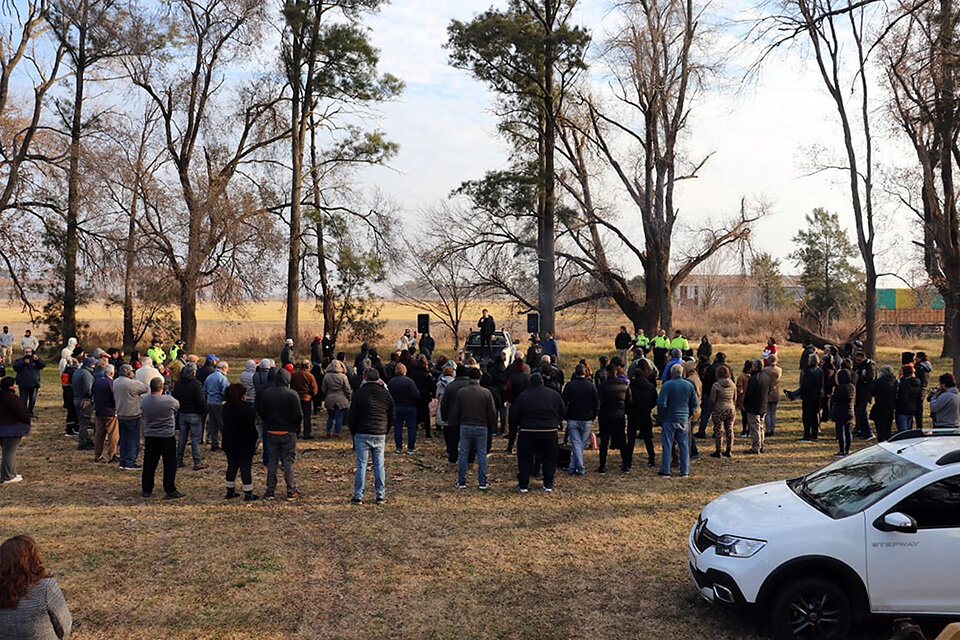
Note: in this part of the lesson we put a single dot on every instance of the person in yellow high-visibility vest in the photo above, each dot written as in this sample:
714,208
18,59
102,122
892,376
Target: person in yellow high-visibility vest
661,344
679,342
642,341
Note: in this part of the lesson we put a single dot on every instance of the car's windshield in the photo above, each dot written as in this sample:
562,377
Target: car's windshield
497,340
851,484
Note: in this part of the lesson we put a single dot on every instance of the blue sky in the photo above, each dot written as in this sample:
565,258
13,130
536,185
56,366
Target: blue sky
761,136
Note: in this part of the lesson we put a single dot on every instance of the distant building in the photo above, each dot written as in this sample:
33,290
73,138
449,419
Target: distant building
706,291
921,308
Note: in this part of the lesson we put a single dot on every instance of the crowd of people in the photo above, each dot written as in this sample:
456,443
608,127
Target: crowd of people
167,399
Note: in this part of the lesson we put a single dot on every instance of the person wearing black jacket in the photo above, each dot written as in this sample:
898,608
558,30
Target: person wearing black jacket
842,409
473,415
496,382
923,369
622,343
707,379
427,344
866,371
810,393
639,415
406,396
193,402
28,378
538,412
755,403
615,400
909,398
372,412
451,438
209,366
427,386
582,404
327,346
239,441
518,379
282,415
487,327
884,392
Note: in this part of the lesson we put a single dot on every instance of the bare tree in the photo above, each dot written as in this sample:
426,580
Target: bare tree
837,34
27,73
923,75
655,78
212,239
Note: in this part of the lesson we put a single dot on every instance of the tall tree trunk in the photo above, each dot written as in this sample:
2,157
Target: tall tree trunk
658,308
326,298
188,312
130,247
71,244
546,258
870,312
292,324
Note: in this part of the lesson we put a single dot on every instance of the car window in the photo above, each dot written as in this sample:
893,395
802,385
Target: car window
851,484
498,340
473,340
936,506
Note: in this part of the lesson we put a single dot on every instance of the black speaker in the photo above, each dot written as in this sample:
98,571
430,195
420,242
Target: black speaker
533,323
423,323
906,357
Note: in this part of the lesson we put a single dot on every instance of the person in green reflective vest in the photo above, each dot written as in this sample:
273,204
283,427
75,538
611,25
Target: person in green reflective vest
661,344
642,341
155,352
679,342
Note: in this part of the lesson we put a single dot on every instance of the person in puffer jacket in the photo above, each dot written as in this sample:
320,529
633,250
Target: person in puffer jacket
842,410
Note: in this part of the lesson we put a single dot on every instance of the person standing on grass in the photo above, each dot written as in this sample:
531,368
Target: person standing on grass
29,341
452,439
755,403
82,383
371,413
772,372
770,350
246,379
303,382
215,386
192,402
177,363
405,397
286,354
537,412
147,371
280,411
643,392
28,378
675,404
676,357
6,344
159,413
708,378
909,398
723,392
615,401
923,369
106,434
866,375
884,392
472,416
945,403
14,426
742,381
336,396
239,441
421,376
582,402
842,408
811,392
622,343
32,607
66,390
127,395
66,353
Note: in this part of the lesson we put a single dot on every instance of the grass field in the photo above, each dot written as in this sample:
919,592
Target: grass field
601,557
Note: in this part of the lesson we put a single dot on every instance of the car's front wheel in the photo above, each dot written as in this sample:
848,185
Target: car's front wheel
810,609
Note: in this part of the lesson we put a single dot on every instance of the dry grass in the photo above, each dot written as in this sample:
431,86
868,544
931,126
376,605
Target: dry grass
601,557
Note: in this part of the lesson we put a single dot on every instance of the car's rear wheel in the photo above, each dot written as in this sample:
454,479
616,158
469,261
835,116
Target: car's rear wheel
810,609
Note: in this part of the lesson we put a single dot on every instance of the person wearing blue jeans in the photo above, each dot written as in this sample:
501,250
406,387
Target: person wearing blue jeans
579,433
904,422
405,395
191,426
129,442
372,412
472,414
335,421
675,405
367,446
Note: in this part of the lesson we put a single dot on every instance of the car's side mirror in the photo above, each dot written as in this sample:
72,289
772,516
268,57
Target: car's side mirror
896,522
516,342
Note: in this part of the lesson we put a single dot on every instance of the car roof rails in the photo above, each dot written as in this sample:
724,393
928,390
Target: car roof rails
917,433
949,458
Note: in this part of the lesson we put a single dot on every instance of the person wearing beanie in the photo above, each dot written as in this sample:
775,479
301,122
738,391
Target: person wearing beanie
287,356
209,366
537,412
193,401
28,378
676,357
280,411
372,412
82,383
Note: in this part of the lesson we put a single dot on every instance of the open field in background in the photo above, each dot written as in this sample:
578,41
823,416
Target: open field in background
601,557
259,330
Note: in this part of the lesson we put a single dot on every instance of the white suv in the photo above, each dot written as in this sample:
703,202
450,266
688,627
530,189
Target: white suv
875,532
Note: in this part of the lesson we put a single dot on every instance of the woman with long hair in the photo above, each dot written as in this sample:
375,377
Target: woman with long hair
32,607
14,425
239,441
